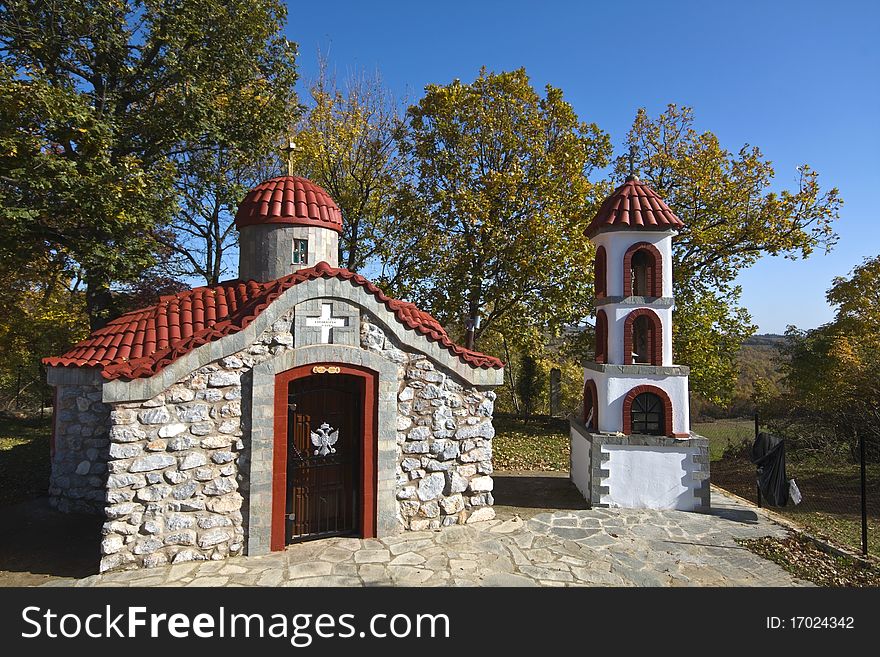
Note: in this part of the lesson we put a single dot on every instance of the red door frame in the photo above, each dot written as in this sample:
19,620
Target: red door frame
369,431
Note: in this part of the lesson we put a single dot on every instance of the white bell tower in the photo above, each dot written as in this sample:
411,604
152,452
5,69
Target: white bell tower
633,386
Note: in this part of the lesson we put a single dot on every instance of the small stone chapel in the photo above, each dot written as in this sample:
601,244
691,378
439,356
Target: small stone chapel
295,403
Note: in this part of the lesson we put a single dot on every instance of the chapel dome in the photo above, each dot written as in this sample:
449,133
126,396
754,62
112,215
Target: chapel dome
636,206
289,200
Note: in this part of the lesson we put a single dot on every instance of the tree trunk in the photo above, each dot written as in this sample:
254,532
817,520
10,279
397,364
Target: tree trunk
99,301
352,247
471,324
469,339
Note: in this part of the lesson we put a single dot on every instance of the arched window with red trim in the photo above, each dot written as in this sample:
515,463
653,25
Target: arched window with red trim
647,409
642,338
642,271
600,273
591,406
601,337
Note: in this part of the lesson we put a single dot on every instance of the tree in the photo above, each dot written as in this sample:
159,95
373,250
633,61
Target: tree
529,385
832,394
732,218
100,101
346,141
502,200
210,184
42,308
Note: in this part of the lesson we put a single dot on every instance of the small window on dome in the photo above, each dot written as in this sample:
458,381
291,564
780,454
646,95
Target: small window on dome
300,252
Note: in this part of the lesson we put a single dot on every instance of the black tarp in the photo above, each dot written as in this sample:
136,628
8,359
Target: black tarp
768,454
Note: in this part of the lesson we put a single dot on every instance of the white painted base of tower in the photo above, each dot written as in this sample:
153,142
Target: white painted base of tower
640,472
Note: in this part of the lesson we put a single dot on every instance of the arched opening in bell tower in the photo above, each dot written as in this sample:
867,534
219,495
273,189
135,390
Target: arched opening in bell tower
600,273
601,337
643,338
642,264
642,329
642,271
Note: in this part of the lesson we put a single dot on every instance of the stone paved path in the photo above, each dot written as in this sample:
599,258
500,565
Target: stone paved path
599,547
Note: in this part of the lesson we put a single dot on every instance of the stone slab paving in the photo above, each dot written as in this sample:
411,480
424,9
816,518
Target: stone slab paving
598,547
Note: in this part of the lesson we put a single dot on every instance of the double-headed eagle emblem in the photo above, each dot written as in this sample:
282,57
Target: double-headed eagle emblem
324,439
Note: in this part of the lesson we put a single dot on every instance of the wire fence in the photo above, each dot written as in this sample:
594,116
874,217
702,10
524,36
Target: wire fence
839,485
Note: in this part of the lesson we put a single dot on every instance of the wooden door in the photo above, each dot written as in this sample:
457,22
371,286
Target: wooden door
323,453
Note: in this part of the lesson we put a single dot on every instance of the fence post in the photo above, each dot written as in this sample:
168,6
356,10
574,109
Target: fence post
757,431
864,496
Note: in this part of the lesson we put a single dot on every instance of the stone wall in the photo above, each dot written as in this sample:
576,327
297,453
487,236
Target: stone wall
177,464
79,463
444,433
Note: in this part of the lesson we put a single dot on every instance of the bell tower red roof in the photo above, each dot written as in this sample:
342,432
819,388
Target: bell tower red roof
636,206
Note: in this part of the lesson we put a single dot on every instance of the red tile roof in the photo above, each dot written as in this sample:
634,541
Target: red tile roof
289,200
634,205
141,343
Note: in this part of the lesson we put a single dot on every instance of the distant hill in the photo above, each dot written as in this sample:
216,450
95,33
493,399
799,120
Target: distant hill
756,359
765,340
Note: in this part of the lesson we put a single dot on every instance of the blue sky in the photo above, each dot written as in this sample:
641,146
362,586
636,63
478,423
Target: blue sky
801,80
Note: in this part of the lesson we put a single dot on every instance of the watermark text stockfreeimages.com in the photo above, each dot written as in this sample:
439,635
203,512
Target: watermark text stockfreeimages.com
299,629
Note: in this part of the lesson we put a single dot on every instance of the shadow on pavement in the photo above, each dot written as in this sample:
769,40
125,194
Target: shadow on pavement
39,544
736,515
534,493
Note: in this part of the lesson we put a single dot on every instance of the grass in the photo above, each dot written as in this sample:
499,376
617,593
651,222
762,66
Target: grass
542,444
803,559
831,490
723,433
24,457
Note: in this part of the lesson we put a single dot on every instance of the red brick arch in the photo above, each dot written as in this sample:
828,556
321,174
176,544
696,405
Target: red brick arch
635,392
655,273
601,351
600,273
656,336
591,400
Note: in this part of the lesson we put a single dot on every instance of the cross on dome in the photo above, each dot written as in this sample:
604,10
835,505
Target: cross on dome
290,149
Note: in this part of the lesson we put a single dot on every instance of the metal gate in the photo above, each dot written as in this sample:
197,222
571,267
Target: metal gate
324,443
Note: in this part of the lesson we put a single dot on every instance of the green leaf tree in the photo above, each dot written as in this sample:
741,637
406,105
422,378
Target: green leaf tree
732,218
832,394
102,102
42,309
501,200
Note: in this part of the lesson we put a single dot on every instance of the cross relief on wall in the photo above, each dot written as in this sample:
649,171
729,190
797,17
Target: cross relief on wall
326,321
